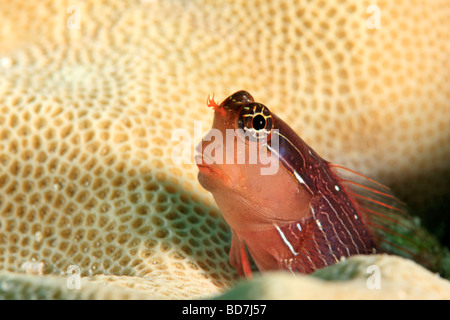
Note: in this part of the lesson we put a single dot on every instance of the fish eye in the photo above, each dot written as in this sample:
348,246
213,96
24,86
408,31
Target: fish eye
255,120
259,122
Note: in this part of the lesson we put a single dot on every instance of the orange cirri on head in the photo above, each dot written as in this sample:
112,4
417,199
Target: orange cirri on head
210,102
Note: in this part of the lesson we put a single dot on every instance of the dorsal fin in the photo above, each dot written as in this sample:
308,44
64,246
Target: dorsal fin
386,217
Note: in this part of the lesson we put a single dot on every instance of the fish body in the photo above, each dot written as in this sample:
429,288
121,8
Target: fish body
307,214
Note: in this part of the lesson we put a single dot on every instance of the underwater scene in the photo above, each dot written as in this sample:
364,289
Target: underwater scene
224,150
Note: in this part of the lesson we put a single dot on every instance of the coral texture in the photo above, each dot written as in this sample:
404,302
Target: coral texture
360,277
90,94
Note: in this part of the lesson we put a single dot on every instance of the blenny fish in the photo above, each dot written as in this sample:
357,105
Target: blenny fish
310,213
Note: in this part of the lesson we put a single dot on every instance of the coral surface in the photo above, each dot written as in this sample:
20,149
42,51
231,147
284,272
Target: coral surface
360,277
90,93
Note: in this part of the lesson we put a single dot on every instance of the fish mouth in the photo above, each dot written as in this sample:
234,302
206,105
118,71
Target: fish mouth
208,167
204,166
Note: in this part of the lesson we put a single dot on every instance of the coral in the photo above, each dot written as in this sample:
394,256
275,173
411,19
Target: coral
366,277
90,94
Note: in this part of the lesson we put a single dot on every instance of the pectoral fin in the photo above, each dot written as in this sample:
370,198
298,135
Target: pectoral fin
239,257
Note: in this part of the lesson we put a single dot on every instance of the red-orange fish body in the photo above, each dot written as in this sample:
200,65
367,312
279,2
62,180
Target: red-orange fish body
308,213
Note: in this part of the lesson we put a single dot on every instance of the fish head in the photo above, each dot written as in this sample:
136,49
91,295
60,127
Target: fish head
239,164
239,134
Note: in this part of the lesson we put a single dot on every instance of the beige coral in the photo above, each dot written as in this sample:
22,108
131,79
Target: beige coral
86,116
366,277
